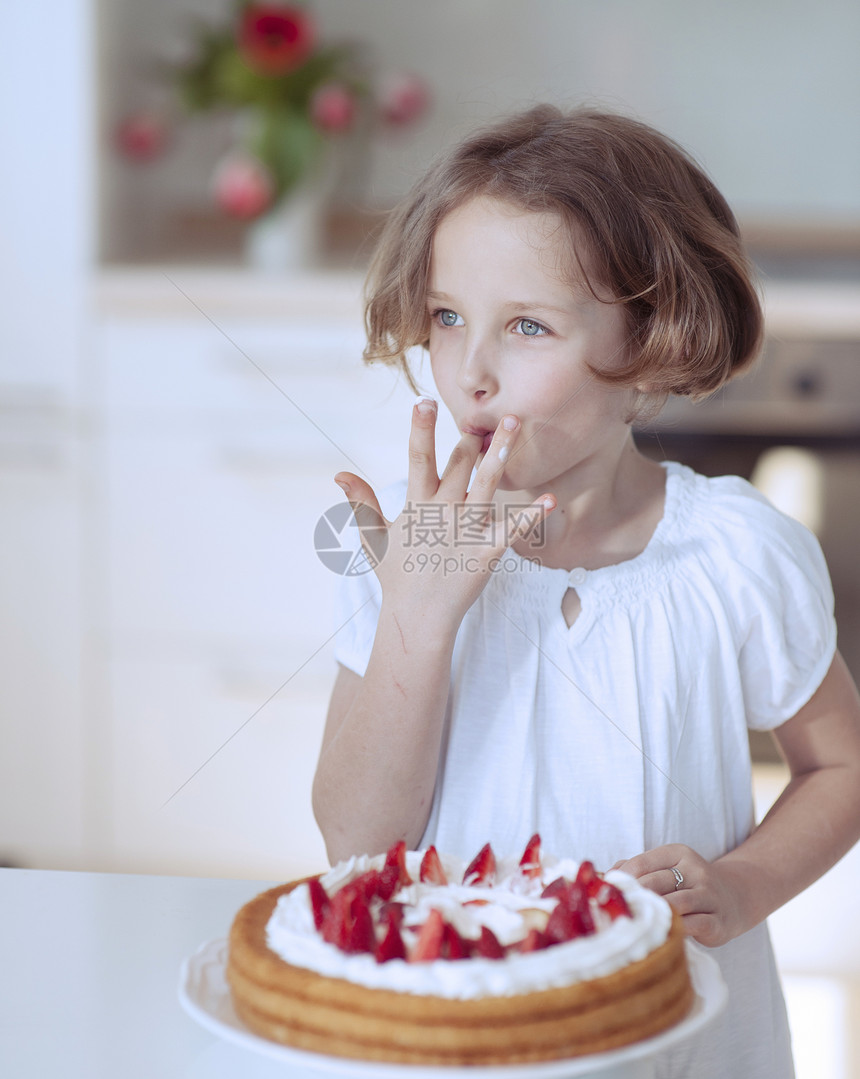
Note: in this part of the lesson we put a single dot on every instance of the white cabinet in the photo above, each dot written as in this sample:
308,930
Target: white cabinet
42,766
222,435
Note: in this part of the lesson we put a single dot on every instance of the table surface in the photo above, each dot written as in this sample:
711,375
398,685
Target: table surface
89,975
89,969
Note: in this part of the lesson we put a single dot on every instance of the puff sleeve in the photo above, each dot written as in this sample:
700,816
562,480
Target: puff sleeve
783,603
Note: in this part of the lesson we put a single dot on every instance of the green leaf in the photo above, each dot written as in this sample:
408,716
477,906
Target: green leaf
288,143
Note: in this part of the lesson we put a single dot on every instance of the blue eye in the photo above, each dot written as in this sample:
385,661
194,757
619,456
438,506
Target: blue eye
448,318
530,328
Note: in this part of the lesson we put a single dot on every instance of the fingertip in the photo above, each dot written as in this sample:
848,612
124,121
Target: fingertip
426,407
548,502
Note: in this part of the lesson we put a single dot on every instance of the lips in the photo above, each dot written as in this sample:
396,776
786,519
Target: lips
484,433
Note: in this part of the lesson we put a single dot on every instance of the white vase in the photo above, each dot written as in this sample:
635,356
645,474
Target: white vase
289,238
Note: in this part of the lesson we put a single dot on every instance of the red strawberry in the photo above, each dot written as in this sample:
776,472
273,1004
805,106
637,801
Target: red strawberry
571,917
431,871
482,868
611,900
533,942
347,923
555,888
488,944
367,884
391,912
530,861
429,943
588,879
391,946
394,874
453,945
320,901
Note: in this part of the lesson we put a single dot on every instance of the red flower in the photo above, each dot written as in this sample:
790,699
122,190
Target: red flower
333,108
141,136
242,186
403,99
275,38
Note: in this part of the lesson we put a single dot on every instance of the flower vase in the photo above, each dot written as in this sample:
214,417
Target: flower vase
288,239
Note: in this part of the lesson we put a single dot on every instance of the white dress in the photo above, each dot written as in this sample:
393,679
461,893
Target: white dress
628,729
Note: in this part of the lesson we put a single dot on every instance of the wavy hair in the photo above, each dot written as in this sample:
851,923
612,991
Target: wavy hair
659,238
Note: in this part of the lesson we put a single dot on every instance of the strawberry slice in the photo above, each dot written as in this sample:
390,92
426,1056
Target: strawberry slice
367,884
429,943
555,888
391,946
588,879
611,900
453,945
482,868
320,901
533,941
394,874
392,912
431,871
530,861
488,944
347,923
571,917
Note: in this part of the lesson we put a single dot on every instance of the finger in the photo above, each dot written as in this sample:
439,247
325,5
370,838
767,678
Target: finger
524,522
686,902
650,861
663,882
458,471
492,468
423,479
372,525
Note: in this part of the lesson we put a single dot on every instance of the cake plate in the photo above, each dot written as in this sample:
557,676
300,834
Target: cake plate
205,996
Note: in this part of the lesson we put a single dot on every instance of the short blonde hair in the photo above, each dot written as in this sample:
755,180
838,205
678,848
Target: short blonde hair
660,239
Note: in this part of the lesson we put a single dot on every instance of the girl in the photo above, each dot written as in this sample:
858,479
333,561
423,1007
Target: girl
575,639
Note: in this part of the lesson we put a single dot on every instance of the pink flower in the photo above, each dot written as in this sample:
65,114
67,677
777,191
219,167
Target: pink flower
403,98
276,38
242,186
142,136
333,108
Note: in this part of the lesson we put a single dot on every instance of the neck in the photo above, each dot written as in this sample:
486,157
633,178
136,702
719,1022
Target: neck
607,511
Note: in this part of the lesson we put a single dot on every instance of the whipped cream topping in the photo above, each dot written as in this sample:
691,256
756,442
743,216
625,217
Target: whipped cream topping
291,933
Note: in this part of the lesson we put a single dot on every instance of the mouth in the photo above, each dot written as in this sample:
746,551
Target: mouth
484,433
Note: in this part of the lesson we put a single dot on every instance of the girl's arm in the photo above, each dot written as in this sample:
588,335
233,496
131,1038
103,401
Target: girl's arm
380,752
814,822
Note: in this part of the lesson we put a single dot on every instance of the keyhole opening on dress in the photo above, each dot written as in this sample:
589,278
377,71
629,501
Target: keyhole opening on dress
571,606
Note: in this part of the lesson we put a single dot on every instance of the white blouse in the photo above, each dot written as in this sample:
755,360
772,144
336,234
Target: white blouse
628,729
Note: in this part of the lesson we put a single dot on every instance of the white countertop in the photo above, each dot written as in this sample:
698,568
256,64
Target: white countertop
89,968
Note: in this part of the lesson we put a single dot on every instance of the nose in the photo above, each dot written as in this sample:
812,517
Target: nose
476,376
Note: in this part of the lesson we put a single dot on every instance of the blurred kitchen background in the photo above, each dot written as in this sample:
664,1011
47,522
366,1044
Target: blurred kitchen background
178,386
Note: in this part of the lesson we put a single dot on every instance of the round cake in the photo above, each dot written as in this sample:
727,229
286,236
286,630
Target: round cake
413,957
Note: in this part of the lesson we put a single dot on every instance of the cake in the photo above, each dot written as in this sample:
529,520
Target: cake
413,957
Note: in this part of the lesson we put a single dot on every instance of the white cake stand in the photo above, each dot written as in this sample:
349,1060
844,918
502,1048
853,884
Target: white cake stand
205,996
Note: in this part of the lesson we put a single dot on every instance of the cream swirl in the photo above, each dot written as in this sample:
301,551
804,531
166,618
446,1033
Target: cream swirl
291,933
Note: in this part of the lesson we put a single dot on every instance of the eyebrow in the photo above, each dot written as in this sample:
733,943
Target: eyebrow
518,305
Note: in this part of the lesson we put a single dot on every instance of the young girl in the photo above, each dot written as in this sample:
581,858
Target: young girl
564,636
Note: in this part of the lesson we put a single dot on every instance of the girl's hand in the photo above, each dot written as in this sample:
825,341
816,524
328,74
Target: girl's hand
430,562
709,897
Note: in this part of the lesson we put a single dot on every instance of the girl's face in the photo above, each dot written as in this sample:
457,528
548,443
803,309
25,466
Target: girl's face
509,336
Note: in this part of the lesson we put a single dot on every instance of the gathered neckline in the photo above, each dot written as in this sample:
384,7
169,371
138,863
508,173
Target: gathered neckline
626,578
